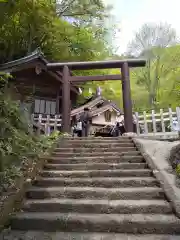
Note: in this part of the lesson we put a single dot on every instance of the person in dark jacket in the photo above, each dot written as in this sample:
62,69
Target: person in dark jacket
86,119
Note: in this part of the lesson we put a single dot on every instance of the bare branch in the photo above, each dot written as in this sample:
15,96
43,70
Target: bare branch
152,36
61,12
152,41
79,8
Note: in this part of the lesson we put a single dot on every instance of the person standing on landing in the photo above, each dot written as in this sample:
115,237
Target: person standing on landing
119,125
86,119
79,128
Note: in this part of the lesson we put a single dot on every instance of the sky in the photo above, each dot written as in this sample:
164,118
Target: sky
130,15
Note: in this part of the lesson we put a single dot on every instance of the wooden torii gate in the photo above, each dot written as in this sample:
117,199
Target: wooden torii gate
124,65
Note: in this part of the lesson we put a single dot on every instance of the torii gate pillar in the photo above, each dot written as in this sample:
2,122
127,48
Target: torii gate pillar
126,90
127,103
66,108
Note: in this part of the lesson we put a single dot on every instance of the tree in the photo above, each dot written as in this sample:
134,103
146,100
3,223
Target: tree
87,10
150,36
34,23
152,42
7,8
26,28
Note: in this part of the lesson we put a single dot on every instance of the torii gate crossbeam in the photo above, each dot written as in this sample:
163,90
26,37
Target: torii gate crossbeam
124,65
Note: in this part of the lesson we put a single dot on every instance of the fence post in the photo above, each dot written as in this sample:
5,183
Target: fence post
145,123
32,122
39,124
178,115
137,123
171,119
47,125
55,122
162,121
154,121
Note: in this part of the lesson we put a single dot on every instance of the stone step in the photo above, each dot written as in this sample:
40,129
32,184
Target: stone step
132,193
95,145
95,166
96,159
98,206
96,141
117,223
42,235
99,173
96,138
95,149
86,154
98,182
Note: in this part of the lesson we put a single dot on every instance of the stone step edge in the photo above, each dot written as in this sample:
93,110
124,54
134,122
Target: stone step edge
86,148
102,171
101,218
99,179
67,144
97,189
125,140
132,193
134,217
37,235
103,157
96,164
100,153
85,201
97,206
96,182
89,138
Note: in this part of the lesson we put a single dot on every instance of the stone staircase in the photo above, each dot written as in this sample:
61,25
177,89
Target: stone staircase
95,189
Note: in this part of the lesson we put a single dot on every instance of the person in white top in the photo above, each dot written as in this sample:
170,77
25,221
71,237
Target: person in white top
119,124
134,123
175,126
79,128
120,119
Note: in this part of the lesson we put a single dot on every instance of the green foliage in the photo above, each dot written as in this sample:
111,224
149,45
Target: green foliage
17,143
86,10
76,31
66,31
13,130
157,85
152,87
159,79
178,170
35,23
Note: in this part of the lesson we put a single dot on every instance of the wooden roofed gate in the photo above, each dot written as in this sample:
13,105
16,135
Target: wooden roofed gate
38,90
123,65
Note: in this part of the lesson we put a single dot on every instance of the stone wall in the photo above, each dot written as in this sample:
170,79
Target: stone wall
158,155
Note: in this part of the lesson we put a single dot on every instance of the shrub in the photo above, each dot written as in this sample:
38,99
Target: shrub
17,143
174,159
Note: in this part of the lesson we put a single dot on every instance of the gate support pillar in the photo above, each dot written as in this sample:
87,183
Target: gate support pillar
127,102
66,108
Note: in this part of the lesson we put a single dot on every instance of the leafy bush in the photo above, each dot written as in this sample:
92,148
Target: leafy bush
174,159
17,143
178,169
